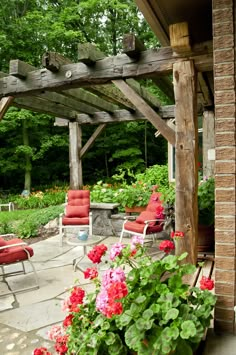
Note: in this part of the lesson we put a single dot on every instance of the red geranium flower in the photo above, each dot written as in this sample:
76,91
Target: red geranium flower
117,290
90,273
206,283
68,320
41,351
61,344
177,234
166,246
96,253
77,296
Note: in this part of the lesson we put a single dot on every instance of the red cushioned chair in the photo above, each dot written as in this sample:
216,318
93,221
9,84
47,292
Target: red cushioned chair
149,222
77,212
15,251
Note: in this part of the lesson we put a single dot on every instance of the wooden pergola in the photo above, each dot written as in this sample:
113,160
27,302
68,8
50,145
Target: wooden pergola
100,90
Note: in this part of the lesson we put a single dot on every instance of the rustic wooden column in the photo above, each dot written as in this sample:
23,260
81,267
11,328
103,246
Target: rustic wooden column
75,144
208,139
186,177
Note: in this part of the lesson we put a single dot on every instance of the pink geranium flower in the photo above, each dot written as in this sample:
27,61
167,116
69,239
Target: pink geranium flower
116,250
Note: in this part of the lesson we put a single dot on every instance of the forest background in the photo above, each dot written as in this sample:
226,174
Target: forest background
34,152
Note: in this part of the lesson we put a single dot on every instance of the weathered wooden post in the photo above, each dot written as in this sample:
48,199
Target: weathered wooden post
208,140
75,145
186,175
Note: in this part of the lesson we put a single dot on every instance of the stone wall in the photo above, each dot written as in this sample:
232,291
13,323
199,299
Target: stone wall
225,166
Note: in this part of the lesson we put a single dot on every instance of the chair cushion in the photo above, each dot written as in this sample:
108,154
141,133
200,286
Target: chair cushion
79,202
2,244
75,221
145,216
138,228
82,197
15,254
77,211
154,201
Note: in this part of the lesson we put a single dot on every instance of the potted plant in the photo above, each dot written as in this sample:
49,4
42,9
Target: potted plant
140,306
135,197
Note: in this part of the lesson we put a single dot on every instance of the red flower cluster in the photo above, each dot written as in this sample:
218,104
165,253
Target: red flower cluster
41,351
117,290
177,234
206,283
90,273
166,246
76,297
113,308
68,320
61,344
96,253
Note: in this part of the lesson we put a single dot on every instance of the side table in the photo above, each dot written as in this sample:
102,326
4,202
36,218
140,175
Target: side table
74,240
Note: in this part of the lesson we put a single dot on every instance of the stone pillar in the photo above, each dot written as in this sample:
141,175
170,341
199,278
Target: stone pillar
225,167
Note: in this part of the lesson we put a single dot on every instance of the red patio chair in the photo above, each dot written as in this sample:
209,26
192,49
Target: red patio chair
149,222
77,213
15,251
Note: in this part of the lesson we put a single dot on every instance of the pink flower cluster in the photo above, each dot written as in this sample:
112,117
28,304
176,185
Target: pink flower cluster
116,250
95,255
113,288
56,333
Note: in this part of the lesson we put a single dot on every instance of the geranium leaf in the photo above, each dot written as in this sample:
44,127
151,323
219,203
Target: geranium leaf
147,314
140,299
188,329
172,314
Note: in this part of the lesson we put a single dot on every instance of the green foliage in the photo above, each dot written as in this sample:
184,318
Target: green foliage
206,201
160,314
29,226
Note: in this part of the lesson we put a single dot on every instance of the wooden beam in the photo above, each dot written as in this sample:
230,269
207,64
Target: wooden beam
166,86
207,98
121,116
61,122
5,103
146,110
89,54
86,97
132,46
153,20
91,140
186,172
179,37
151,99
20,69
151,63
53,61
40,105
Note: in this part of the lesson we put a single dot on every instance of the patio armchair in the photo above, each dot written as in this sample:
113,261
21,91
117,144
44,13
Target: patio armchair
149,222
12,252
77,213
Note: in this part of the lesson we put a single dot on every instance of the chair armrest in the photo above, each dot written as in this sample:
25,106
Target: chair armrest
12,245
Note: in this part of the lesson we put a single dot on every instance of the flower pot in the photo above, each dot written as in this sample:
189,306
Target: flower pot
135,209
206,238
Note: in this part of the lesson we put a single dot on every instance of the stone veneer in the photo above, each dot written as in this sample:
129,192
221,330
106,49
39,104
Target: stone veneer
225,167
